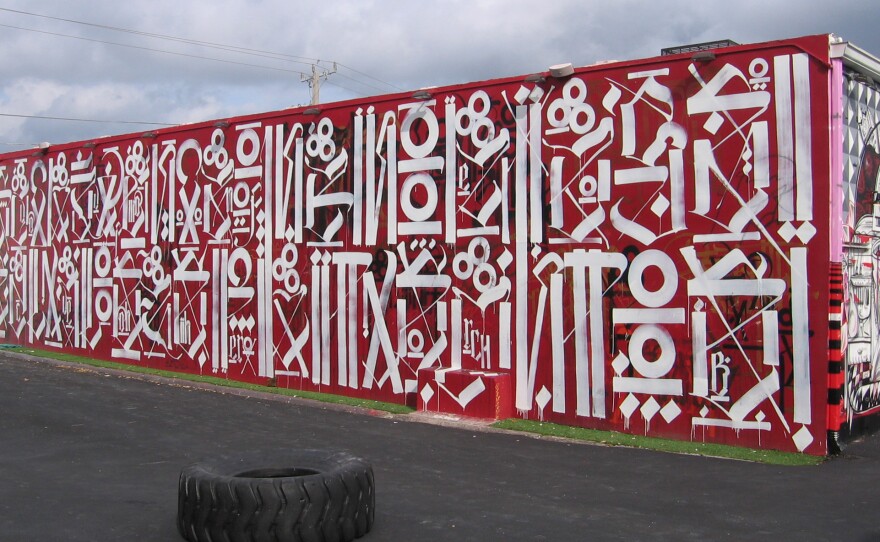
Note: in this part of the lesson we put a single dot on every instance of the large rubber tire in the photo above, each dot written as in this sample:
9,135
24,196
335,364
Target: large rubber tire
301,496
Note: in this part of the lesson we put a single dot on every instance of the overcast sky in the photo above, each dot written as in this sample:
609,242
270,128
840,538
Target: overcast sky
135,60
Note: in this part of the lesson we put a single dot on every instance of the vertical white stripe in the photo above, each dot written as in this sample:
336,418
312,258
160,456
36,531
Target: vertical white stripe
152,210
401,329
342,317
263,345
84,296
557,336
800,338
391,146
784,138
523,402
176,317
316,324
597,341
325,325
224,308
279,181
215,310
358,179
298,191
676,189
371,221
701,361
761,147
455,355
451,172
556,217
50,224
115,316
504,336
266,317
77,328
352,328
171,187
88,257
769,320
581,343
803,137
536,203
505,200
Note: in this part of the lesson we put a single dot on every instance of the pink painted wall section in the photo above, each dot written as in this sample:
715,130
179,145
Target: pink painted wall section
642,247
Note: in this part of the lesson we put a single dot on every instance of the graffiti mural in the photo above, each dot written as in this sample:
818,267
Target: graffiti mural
861,249
636,247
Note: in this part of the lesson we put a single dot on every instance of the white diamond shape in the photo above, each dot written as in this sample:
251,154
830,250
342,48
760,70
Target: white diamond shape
289,233
543,397
315,257
787,231
802,439
760,416
649,409
660,206
327,258
713,123
620,363
704,411
670,411
427,393
806,232
629,405
505,259
536,94
248,323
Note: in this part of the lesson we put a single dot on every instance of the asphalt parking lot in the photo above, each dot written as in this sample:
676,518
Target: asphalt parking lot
91,455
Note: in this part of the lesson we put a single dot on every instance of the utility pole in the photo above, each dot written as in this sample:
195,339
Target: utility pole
314,81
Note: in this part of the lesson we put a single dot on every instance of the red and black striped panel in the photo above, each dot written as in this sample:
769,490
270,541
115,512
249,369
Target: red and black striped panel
836,407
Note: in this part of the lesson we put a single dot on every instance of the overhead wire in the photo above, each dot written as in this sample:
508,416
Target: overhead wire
46,117
219,46
225,47
188,55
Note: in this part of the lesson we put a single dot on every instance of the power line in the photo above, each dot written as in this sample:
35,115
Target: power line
231,48
151,49
245,50
43,117
172,53
370,76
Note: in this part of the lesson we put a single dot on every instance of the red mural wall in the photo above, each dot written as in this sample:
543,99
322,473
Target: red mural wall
641,247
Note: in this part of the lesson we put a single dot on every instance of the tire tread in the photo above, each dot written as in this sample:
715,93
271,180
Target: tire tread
336,504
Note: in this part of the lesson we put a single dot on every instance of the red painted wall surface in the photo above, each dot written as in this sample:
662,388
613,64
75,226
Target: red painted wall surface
640,247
